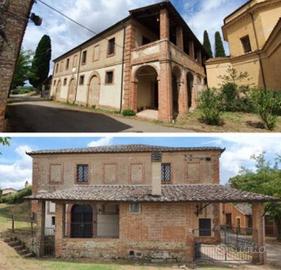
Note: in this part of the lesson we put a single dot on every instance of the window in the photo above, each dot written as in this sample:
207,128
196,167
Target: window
75,61
246,44
61,67
96,53
67,64
109,77
57,68
205,227
166,175
84,57
65,81
81,80
145,40
55,82
111,47
82,173
53,221
134,208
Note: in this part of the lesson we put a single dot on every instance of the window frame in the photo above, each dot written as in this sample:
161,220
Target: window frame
77,181
243,40
131,209
204,232
53,220
109,53
84,57
105,79
67,64
95,59
164,166
65,81
81,79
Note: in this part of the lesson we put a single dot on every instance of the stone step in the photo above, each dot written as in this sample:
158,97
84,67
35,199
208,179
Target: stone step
28,255
23,252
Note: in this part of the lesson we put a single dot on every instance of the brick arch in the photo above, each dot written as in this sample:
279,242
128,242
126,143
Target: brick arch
135,72
93,100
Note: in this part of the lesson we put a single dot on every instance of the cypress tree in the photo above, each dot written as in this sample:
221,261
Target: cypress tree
220,52
207,44
41,62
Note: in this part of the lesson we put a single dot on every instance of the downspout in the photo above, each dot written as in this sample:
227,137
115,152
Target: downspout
78,71
122,75
258,47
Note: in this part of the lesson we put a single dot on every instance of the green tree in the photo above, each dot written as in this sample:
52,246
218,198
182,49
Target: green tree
207,44
41,62
264,179
219,48
22,70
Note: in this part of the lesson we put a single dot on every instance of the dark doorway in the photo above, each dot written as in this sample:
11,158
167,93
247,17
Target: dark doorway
190,80
228,220
205,227
81,221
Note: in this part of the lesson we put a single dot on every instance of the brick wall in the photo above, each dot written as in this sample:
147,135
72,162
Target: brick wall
13,14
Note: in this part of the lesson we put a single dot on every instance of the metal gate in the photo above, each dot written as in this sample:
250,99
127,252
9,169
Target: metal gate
236,245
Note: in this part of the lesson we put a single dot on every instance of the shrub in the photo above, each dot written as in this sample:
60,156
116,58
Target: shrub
17,197
210,107
128,113
265,105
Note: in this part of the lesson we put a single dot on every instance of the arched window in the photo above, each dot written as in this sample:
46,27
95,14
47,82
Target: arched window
81,221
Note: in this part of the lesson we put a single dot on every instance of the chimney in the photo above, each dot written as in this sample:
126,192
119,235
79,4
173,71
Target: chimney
156,159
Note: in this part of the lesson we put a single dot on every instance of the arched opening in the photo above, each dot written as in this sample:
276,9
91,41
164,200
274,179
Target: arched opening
94,91
58,90
190,81
176,82
147,89
71,91
81,221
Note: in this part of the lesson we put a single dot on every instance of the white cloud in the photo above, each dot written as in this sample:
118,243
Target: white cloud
15,174
240,150
101,142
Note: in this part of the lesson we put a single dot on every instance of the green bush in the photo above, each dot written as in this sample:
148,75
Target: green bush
265,104
277,107
128,113
210,107
17,197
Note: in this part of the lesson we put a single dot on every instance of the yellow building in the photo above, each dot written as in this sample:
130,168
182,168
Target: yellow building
253,32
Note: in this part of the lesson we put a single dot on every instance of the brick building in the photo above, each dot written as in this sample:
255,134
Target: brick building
133,201
150,61
14,16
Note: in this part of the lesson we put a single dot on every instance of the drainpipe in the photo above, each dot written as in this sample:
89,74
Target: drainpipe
257,43
78,71
122,75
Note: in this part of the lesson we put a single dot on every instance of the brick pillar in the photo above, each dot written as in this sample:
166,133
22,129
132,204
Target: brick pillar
183,106
191,49
216,222
180,44
164,24
259,257
60,228
14,28
130,43
165,76
40,231
134,95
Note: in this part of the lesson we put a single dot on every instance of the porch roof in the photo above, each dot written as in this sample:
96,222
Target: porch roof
142,193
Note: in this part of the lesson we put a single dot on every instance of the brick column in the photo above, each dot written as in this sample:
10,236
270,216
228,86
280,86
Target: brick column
130,43
216,222
259,257
164,24
40,231
180,44
14,28
183,108
165,76
60,228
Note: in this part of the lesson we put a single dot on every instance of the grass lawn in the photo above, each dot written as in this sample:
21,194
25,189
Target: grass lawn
233,122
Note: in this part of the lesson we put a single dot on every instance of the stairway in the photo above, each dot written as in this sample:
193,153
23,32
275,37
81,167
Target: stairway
19,247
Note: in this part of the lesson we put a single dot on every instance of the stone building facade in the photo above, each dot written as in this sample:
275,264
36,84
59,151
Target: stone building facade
151,61
132,201
253,33
13,20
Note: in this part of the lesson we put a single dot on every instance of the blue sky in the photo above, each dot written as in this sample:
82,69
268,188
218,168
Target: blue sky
100,14
16,166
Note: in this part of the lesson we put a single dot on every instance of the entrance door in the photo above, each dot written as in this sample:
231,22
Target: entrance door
81,221
94,93
71,91
205,227
228,220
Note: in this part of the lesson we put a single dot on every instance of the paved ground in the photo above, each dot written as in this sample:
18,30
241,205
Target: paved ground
47,116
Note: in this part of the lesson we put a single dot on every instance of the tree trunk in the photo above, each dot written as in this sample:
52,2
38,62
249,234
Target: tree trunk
278,224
